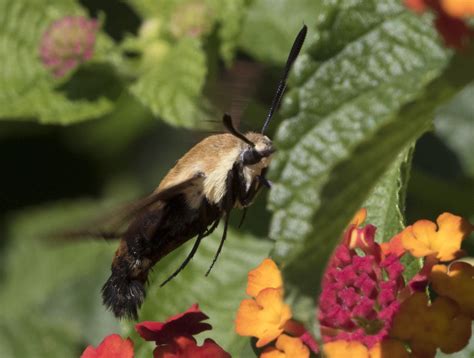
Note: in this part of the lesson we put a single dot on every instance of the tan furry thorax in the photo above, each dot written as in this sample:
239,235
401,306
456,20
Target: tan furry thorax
214,156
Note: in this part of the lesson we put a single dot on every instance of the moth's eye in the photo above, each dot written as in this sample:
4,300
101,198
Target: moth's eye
251,156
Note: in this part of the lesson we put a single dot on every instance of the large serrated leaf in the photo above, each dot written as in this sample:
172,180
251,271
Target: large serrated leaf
218,295
27,89
172,89
345,125
386,202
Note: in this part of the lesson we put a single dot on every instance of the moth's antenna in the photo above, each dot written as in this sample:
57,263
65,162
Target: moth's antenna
295,50
227,120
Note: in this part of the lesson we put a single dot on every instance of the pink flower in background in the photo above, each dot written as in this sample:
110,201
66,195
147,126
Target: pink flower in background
67,43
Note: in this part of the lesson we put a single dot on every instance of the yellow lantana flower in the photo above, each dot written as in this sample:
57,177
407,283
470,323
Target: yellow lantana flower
265,315
428,327
264,276
458,8
424,238
286,347
455,282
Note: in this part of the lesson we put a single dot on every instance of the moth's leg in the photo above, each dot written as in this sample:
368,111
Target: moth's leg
264,181
210,230
244,213
224,235
186,260
227,204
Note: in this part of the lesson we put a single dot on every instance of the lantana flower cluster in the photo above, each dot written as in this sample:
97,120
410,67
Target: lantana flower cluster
450,18
369,309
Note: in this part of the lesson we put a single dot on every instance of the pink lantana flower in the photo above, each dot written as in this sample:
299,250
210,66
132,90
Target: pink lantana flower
67,43
174,338
360,292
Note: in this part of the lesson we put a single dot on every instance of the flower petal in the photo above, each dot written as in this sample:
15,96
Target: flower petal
457,283
264,276
394,246
359,217
423,238
458,8
113,346
272,352
264,317
428,327
389,348
297,329
417,5
338,349
187,323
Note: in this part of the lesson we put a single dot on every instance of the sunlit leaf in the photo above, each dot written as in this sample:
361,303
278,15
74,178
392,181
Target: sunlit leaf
172,89
347,121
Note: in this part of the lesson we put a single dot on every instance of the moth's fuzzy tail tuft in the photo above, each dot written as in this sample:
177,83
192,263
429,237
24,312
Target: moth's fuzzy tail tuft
123,296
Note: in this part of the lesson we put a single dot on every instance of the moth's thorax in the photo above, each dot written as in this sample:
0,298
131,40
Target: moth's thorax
215,156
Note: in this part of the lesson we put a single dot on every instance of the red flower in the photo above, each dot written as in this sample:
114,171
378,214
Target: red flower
174,338
112,346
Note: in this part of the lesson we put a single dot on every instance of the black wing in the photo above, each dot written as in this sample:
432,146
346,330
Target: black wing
112,225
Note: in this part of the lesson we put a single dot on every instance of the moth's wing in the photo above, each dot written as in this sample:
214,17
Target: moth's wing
112,225
233,90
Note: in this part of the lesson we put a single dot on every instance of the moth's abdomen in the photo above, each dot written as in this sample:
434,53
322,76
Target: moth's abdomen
148,239
123,295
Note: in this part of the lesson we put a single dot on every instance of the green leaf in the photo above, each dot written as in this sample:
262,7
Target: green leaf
351,115
27,89
229,14
172,89
218,295
268,31
386,201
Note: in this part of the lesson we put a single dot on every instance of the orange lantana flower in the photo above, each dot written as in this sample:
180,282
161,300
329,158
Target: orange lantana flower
264,276
354,349
424,238
286,347
455,282
388,348
428,327
458,8
264,316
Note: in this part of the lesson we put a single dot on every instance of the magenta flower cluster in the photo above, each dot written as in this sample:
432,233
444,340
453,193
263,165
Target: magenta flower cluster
359,295
67,43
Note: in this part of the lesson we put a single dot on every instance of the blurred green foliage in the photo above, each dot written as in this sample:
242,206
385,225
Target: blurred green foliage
372,80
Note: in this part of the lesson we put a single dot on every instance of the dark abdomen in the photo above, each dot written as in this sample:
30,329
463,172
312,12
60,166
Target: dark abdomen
149,238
